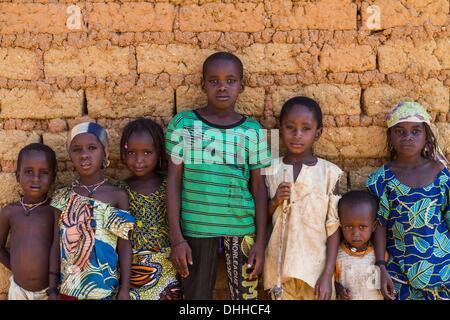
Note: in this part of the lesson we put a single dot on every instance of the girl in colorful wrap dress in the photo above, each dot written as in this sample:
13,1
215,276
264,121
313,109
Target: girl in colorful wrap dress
414,209
153,276
90,242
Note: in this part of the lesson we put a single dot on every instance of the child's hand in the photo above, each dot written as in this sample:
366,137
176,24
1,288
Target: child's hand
124,294
387,286
256,253
283,193
342,292
323,288
181,255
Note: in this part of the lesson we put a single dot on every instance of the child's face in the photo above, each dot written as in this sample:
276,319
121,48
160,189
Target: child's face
35,175
141,156
299,130
357,223
222,83
86,153
408,138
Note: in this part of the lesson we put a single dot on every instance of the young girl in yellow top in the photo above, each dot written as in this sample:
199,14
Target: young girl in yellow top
153,276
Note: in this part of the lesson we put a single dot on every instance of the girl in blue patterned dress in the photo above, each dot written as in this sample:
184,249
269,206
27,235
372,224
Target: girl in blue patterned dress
414,209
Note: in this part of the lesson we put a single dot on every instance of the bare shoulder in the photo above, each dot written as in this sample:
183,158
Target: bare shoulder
433,167
8,210
437,165
118,196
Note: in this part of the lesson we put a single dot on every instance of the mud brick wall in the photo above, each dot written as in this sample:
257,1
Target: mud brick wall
63,62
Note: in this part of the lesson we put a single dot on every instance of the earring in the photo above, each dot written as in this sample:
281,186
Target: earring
390,146
106,163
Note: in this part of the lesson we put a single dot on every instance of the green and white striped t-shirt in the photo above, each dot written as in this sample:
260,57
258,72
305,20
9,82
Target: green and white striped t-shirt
215,196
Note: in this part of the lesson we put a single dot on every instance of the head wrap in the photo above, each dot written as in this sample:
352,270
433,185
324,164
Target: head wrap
93,128
413,112
407,112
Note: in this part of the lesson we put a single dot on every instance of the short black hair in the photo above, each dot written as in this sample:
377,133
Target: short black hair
37,147
311,104
222,55
356,197
141,125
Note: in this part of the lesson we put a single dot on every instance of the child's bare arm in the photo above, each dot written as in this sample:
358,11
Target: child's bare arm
4,231
124,251
55,260
181,252
259,192
379,243
323,288
122,200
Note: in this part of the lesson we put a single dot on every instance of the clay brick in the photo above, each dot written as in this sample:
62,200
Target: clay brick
343,184
250,102
57,125
433,94
275,58
16,18
65,179
443,136
353,58
9,192
18,63
239,17
114,145
399,55
406,13
323,14
172,58
153,101
11,141
348,142
29,104
132,17
58,142
358,177
442,52
89,61
333,99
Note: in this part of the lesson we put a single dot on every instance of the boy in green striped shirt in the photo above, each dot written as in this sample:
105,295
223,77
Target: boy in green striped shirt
215,189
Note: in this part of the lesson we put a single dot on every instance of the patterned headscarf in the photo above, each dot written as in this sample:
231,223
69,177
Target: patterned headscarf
90,127
407,112
413,112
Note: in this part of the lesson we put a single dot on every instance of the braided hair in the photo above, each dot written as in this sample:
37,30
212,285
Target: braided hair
141,125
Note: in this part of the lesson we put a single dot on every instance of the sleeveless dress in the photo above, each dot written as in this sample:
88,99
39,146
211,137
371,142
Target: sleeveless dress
152,273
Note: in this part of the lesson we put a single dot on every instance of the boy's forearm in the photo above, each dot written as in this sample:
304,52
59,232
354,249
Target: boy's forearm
5,258
125,252
173,214
332,250
259,193
55,260
174,203
271,207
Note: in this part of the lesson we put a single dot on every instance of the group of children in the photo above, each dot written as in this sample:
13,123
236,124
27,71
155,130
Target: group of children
210,184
